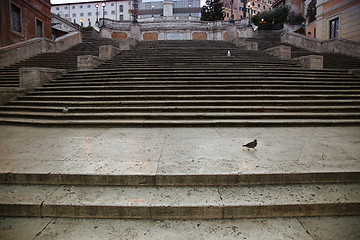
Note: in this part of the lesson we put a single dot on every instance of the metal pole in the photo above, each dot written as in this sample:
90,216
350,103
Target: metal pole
232,12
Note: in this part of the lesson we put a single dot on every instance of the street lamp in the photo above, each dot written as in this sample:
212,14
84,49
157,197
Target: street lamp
104,5
190,10
152,8
135,4
81,22
232,12
97,14
250,15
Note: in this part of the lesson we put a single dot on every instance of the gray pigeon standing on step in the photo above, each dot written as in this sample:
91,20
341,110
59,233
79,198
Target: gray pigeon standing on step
65,110
251,145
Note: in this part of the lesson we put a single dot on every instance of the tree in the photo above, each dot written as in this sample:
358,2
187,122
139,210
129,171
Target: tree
311,11
212,11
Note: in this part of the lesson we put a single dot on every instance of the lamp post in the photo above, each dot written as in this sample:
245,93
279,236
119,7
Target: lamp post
250,15
232,12
97,14
89,22
135,4
189,9
81,22
152,9
104,5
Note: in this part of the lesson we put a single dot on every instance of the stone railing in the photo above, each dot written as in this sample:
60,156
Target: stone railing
342,46
20,51
175,28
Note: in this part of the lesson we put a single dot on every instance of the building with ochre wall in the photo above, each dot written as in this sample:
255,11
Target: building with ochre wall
256,7
336,19
21,20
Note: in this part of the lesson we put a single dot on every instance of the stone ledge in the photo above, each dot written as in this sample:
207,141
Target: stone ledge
33,77
7,94
311,61
283,52
242,44
87,62
107,52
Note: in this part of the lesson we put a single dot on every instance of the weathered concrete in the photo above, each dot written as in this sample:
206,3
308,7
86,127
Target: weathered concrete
87,62
107,52
310,61
320,228
242,44
32,77
127,44
6,94
150,151
343,46
283,52
20,51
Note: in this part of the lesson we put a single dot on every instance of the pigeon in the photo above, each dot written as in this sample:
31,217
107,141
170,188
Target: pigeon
228,53
65,110
251,145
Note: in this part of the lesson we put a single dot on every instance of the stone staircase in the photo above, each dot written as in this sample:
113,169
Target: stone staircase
9,76
179,196
268,39
192,83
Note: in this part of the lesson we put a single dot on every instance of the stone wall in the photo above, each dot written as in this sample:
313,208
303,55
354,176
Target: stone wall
175,28
20,51
342,46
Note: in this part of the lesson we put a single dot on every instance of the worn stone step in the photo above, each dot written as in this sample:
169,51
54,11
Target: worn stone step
181,115
180,202
79,109
318,102
184,91
183,123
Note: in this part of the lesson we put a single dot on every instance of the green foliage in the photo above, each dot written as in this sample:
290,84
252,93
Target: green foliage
87,28
212,11
311,11
271,18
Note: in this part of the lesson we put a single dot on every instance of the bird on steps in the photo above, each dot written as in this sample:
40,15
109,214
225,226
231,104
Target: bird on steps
65,110
228,53
251,145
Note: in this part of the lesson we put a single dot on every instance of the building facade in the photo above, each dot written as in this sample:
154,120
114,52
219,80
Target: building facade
21,20
242,11
335,19
181,8
88,13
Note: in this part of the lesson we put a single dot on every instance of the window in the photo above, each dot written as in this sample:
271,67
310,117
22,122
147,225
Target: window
66,15
15,18
112,4
334,28
39,28
88,6
121,8
81,14
112,12
81,6
57,8
89,14
121,17
74,15
65,8
73,7
105,12
258,5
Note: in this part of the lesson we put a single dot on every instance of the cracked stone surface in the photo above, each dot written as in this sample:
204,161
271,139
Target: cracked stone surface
178,150
319,228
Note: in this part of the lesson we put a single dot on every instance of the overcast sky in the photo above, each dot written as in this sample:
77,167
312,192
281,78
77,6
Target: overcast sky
72,1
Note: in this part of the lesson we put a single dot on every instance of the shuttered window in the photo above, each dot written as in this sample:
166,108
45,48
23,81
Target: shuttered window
15,18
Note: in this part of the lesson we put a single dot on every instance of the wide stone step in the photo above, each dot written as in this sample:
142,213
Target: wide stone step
182,115
183,123
75,109
322,102
184,91
213,97
185,86
180,202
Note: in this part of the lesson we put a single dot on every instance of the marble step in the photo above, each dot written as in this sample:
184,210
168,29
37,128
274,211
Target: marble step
146,202
182,123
